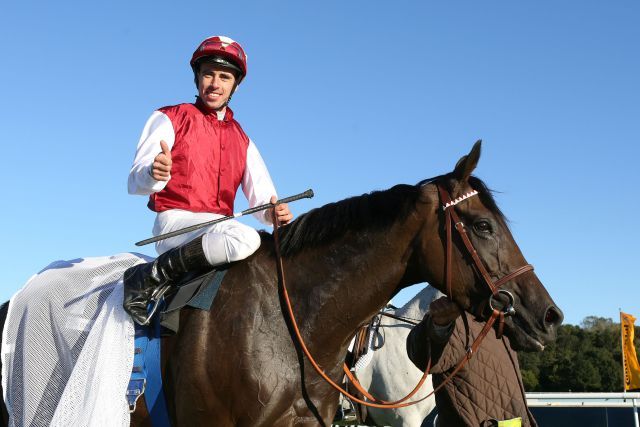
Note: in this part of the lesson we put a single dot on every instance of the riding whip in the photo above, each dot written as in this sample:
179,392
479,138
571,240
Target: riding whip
306,195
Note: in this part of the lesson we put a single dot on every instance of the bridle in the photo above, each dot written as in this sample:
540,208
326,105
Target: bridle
451,218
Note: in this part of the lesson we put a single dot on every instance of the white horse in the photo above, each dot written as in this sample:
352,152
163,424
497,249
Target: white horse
390,375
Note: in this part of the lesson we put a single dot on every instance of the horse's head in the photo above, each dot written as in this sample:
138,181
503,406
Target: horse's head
536,317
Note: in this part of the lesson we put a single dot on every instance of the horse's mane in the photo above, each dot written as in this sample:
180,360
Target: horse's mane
371,211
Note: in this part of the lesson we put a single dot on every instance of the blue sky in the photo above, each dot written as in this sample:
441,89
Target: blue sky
345,98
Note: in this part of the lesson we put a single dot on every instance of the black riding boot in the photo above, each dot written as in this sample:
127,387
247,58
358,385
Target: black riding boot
143,281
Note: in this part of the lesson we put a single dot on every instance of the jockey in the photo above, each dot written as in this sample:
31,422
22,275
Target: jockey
190,160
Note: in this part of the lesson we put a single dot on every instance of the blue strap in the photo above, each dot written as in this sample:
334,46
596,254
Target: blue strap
154,394
138,380
146,375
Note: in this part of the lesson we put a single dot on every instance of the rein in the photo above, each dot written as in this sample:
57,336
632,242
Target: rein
451,217
319,370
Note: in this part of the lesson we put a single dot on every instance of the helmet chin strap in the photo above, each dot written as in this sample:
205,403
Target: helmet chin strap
233,91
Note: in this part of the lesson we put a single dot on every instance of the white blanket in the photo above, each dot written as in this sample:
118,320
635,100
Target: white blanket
67,345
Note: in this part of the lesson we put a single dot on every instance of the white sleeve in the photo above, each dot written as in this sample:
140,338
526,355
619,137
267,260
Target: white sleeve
158,128
256,183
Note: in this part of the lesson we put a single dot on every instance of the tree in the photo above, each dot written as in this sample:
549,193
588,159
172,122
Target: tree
584,358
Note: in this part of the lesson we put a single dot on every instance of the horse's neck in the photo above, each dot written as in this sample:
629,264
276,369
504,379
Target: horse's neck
356,284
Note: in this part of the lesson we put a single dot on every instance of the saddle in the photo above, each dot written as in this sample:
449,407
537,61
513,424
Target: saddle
194,290
368,338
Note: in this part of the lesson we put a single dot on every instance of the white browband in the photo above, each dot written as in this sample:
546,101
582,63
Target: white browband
459,199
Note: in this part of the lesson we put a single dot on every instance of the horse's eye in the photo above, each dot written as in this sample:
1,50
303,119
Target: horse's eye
482,226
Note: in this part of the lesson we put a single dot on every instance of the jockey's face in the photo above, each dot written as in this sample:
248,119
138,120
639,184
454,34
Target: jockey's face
215,86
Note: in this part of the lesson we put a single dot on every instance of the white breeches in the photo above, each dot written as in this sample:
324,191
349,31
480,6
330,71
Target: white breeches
224,242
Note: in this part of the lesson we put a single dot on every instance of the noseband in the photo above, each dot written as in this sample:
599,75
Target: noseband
452,218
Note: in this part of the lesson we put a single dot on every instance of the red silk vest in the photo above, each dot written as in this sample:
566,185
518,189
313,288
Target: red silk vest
209,157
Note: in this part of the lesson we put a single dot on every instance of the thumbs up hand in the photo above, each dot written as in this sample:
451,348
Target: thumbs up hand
161,168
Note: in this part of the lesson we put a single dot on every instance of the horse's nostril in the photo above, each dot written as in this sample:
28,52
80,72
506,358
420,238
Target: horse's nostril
553,316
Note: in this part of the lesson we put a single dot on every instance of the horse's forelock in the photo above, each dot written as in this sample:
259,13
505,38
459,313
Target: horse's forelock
486,196
484,192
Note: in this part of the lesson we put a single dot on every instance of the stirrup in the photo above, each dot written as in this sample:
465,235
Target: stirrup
154,302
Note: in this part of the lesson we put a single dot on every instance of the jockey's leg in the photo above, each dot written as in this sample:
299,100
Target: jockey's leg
231,241
219,244
143,280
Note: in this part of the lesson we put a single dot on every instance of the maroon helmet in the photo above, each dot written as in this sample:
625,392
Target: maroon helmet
224,51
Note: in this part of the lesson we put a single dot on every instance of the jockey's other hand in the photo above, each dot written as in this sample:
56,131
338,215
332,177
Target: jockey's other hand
161,169
443,311
283,213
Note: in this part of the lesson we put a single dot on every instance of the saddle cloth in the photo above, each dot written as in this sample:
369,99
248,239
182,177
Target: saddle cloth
67,345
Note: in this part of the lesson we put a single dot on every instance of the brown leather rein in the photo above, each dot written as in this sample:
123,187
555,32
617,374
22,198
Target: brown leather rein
451,217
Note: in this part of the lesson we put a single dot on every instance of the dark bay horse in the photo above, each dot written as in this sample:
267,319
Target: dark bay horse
240,364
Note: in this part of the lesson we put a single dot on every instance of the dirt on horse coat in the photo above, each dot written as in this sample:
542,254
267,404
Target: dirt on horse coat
239,365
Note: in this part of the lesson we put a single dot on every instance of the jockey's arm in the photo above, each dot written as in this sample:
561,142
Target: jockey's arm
429,338
258,188
141,180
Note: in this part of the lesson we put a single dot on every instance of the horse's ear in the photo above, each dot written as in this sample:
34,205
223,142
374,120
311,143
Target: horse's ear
468,163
